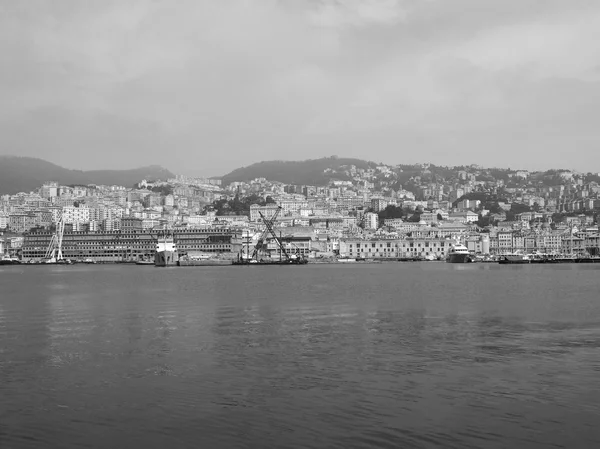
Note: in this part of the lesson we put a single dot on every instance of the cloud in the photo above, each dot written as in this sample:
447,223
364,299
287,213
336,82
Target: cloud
357,13
229,83
563,44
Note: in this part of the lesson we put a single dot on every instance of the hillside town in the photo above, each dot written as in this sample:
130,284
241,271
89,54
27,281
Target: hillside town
380,212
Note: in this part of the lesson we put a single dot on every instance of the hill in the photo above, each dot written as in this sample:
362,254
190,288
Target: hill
309,172
24,174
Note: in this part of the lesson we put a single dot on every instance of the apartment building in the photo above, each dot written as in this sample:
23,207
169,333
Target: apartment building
21,223
371,221
72,214
267,211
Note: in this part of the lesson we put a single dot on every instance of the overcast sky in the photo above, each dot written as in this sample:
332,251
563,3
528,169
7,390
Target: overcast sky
202,87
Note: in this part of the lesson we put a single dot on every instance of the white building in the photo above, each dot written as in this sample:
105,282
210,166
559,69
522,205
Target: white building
198,220
111,225
371,221
268,211
73,215
150,223
169,200
49,190
393,222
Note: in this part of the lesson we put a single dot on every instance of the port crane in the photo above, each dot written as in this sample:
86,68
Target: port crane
269,222
284,256
54,252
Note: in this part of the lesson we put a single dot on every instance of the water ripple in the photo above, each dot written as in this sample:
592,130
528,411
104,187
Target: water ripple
378,356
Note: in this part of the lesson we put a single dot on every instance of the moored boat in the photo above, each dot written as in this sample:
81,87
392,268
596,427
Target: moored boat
514,259
8,260
459,254
166,252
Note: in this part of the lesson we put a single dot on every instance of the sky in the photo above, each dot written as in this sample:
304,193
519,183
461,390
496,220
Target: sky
202,87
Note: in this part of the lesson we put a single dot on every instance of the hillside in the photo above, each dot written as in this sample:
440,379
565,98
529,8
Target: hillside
309,172
24,174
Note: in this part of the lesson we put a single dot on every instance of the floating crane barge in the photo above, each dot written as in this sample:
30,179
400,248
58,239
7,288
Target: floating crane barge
259,255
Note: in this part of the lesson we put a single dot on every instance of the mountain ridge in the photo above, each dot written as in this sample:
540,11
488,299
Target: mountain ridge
307,172
24,174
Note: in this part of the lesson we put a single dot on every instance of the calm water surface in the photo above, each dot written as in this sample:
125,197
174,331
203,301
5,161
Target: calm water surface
427,355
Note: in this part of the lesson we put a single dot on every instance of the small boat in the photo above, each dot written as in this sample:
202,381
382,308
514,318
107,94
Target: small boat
145,262
508,259
8,260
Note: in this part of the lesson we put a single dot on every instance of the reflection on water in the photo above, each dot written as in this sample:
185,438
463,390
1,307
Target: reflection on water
391,355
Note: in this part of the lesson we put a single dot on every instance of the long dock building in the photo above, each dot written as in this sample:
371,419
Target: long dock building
130,245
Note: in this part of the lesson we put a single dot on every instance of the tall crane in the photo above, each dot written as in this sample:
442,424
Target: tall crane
268,228
54,251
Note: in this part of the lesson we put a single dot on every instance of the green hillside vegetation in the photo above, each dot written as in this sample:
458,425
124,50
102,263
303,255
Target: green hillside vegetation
24,174
309,172
239,206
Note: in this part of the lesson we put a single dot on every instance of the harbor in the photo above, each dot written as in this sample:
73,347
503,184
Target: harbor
269,245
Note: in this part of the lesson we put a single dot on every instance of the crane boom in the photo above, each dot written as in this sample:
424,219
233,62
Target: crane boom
54,251
268,225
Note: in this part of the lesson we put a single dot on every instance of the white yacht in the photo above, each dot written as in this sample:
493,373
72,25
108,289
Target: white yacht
459,254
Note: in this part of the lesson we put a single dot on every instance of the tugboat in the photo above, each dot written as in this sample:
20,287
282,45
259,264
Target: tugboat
166,251
459,254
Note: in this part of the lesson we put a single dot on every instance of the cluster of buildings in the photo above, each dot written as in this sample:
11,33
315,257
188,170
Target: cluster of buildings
490,211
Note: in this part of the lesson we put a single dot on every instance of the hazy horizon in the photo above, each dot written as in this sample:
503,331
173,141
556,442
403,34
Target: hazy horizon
217,175
203,87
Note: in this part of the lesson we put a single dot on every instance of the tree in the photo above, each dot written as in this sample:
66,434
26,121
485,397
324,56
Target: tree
439,217
482,221
240,205
390,211
164,190
518,208
494,208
